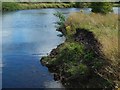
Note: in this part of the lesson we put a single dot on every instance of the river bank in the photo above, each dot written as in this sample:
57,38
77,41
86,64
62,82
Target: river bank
85,57
7,6
11,6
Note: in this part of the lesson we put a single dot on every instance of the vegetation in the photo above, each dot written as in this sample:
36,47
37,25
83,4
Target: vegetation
44,5
101,7
104,28
60,23
88,50
10,6
82,4
7,6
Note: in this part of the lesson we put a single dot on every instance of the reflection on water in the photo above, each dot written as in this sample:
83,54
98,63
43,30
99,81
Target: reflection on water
27,36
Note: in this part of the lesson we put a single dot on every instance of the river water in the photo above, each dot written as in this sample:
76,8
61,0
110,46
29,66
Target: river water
27,35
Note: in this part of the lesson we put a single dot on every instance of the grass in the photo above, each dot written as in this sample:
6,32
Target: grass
10,6
44,5
105,28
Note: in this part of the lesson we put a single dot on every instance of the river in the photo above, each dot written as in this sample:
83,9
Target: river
27,35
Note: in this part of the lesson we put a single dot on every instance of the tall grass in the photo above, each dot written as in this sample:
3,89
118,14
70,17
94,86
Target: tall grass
105,28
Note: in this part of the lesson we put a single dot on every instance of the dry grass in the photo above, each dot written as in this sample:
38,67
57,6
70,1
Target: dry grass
105,28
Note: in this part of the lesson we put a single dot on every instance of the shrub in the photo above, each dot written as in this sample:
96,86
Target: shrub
101,7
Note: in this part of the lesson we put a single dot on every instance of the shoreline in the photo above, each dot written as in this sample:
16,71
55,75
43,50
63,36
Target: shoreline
65,78
8,6
86,67
27,6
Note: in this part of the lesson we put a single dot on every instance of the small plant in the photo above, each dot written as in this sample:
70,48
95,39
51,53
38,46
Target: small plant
60,23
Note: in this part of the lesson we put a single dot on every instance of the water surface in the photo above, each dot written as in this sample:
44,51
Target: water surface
27,36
